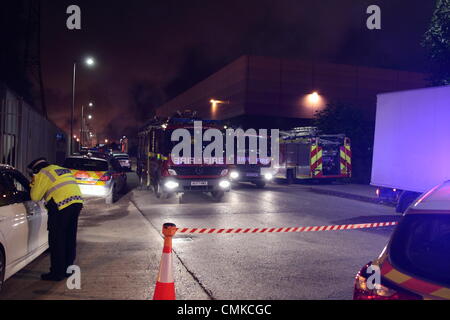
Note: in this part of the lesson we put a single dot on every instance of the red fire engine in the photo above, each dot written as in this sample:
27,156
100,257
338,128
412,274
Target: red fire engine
167,176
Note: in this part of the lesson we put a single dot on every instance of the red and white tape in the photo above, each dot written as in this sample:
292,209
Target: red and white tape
296,229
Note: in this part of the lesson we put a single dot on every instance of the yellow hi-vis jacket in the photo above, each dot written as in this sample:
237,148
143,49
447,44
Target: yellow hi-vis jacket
57,183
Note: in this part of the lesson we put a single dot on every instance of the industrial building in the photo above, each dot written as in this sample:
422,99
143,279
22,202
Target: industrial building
269,92
25,134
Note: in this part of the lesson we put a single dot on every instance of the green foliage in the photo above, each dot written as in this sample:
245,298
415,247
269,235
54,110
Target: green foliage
343,118
437,43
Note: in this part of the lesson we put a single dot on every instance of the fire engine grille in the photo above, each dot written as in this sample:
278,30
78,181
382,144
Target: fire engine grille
252,168
198,171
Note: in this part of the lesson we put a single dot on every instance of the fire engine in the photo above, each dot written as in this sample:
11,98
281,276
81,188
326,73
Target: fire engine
259,173
167,176
306,154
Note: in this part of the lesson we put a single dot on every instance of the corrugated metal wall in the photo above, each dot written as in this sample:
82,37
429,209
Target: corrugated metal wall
27,135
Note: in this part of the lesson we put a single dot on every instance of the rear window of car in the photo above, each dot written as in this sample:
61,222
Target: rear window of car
420,246
86,164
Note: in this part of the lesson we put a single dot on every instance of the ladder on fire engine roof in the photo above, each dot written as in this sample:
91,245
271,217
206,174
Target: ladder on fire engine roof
311,132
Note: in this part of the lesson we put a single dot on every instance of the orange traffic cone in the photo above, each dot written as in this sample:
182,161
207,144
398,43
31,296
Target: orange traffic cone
165,285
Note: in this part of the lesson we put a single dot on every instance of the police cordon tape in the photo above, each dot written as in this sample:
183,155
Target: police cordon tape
165,284
285,230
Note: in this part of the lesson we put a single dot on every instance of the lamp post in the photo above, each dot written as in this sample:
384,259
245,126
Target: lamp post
91,104
89,62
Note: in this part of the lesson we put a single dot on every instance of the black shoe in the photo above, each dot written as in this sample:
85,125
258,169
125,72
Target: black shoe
51,277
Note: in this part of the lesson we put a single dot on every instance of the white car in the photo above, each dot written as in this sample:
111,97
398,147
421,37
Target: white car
23,224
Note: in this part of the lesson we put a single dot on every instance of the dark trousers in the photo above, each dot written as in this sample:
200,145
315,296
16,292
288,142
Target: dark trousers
62,236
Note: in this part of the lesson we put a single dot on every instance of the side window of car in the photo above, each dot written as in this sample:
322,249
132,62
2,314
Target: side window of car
20,182
6,190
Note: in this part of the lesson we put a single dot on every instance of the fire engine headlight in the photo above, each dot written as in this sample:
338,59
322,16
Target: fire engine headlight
234,175
171,185
224,172
224,184
268,176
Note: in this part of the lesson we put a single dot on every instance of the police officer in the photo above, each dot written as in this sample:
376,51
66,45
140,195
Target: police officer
58,187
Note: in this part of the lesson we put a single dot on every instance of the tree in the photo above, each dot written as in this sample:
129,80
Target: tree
437,43
340,117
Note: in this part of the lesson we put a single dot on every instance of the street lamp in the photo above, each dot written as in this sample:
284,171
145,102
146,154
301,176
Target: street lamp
215,103
314,99
91,104
90,62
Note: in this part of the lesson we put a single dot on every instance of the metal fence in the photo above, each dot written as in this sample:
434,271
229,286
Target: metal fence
26,135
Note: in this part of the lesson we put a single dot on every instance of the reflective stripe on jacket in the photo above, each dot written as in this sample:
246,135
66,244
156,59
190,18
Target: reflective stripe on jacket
57,183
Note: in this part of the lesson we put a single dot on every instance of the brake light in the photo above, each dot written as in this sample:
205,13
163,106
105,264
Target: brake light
105,177
380,292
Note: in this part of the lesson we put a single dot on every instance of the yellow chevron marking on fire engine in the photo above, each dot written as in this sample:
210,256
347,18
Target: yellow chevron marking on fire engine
397,276
442,293
347,157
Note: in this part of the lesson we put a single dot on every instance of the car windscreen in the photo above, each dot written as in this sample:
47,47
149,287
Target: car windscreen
86,164
421,247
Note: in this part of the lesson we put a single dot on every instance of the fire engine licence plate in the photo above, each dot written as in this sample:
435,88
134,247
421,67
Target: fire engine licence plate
252,174
199,183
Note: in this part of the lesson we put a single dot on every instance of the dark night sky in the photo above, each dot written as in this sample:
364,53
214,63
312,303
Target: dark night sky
149,50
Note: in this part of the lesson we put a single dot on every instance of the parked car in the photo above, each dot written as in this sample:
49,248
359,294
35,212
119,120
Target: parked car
416,262
23,224
124,160
98,177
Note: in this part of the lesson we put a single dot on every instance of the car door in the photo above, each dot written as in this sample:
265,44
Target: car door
36,213
117,173
13,217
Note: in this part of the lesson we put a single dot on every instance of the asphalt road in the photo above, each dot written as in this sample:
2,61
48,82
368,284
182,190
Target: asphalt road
119,247
315,265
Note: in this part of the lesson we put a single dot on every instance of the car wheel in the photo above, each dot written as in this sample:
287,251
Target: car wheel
2,268
110,198
405,200
290,176
217,195
260,184
158,190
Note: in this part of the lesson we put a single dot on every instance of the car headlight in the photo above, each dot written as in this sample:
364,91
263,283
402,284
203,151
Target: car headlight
171,185
234,175
224,184
268,176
